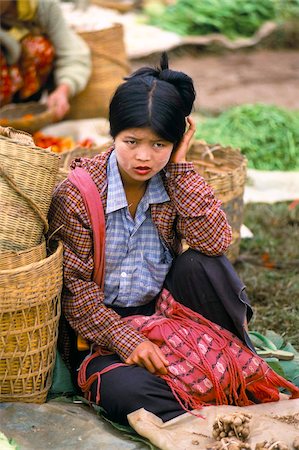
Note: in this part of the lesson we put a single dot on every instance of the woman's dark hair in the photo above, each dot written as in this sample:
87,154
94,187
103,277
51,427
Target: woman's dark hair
158,98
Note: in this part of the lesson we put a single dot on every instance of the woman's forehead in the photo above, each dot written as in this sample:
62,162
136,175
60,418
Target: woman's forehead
141,133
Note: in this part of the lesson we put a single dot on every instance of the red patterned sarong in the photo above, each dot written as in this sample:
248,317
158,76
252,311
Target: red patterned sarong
207,364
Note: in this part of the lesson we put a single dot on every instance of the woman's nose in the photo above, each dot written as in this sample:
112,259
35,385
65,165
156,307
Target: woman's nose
143,152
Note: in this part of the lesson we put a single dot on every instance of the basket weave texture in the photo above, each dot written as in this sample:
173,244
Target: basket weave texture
12,260
109,67
27,179
30,117
29,316
224,168
78,152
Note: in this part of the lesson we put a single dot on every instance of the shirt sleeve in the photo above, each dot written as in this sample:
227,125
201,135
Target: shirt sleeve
82,299
72,54
201,221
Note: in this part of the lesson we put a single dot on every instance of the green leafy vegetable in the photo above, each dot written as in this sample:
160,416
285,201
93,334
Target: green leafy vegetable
232,18
267,135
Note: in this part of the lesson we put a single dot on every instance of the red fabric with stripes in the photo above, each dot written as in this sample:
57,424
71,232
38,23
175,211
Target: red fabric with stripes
207,364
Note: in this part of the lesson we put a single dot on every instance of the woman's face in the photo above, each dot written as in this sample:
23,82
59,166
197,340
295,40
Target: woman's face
141,154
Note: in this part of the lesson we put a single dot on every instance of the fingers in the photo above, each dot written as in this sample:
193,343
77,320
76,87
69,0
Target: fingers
59,106
179,155
191,129
58,101
149,356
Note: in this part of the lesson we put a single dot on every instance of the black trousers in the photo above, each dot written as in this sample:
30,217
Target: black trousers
207,285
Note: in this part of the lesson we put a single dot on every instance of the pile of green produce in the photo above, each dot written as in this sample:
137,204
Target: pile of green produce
266,134
232,18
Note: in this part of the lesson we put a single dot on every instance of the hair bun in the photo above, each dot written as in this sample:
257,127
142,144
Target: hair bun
182,82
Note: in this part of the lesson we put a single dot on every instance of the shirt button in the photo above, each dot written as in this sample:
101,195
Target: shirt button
123,274
167,174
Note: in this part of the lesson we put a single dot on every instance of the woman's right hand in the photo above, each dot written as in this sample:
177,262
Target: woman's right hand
148,355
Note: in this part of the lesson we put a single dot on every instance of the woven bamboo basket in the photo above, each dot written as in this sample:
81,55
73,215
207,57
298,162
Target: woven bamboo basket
77,152
67,158
224,168
27,178
12,260
30,117
29,316
109,66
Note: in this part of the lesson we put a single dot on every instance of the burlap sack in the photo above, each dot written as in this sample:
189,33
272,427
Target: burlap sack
276,421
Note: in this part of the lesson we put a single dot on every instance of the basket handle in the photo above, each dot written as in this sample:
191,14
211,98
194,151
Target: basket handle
33,205
209,151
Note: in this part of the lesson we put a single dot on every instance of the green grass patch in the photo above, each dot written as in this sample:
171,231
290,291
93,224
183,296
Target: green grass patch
269,267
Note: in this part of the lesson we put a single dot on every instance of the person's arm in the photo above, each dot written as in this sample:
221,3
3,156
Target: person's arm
72,55
82,300
201,221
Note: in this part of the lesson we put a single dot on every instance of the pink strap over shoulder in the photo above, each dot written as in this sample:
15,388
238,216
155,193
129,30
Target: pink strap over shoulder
93,204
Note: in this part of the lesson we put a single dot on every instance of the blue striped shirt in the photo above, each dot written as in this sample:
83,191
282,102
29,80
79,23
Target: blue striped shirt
137,261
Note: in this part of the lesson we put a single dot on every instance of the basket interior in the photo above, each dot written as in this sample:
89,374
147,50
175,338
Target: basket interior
18,111
211,161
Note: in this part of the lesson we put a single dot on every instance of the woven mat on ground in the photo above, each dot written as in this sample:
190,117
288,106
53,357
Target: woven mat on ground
277,421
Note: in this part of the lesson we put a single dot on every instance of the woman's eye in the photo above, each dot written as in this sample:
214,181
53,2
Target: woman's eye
130,142
158,145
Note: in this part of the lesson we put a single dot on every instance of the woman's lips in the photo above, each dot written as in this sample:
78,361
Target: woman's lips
142,170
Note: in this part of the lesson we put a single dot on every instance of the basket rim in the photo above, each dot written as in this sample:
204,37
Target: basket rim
36,265
40,150
41,110
8,253
112,26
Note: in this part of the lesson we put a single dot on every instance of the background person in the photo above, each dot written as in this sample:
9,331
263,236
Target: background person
40,52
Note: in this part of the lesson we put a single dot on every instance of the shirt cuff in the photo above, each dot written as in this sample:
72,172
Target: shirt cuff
174,169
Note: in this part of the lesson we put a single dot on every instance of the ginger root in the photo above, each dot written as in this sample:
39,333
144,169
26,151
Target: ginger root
232,425
230,444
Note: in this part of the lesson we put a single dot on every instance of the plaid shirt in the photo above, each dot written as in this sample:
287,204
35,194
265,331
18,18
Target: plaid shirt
136,276
192,214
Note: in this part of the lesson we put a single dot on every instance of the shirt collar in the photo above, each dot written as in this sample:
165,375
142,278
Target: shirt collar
116,197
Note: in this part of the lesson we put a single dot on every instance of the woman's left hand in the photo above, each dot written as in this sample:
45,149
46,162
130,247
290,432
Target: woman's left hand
58,101
179,155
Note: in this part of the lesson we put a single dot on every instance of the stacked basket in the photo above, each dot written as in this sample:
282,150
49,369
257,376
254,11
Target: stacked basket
30,278
224,168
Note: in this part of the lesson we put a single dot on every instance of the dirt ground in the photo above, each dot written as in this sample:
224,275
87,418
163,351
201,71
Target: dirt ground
232,78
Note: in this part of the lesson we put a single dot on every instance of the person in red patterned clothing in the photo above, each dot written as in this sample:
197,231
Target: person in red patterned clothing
153,199
40,52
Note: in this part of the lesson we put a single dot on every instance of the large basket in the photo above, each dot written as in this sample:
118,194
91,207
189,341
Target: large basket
109,67
30,117
224,168
29,316
27,178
